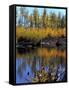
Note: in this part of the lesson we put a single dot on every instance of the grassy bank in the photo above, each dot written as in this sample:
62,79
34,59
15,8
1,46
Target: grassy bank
38,34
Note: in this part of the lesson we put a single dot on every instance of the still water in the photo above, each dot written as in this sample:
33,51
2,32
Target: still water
40,65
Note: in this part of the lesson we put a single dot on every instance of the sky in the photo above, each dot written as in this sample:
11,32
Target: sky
40,10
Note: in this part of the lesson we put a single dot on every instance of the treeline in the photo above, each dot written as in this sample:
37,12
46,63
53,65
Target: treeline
35,20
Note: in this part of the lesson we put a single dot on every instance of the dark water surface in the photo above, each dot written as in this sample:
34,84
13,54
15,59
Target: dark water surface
33,64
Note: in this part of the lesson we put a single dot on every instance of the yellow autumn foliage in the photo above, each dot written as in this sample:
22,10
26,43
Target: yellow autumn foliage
38,34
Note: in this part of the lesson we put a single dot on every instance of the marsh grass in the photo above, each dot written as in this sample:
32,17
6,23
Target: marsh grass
38,34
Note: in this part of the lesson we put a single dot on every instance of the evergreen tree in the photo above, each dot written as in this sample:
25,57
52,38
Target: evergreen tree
59,20
62,22
44,18
35,16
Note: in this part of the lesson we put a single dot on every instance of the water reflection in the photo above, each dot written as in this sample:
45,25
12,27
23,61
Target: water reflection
40,65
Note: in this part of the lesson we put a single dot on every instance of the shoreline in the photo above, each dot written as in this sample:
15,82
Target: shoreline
48,42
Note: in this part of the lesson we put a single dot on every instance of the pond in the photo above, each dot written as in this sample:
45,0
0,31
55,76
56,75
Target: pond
40,64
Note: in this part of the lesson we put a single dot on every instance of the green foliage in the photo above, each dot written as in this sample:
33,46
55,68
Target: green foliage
36,17
34,20
44,18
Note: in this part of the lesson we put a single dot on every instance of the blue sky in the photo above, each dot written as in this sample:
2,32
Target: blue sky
49,10
40,10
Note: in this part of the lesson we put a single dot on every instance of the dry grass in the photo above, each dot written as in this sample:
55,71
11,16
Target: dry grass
38,34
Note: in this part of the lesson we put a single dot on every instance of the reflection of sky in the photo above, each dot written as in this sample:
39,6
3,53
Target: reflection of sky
40,10
24,68
24,78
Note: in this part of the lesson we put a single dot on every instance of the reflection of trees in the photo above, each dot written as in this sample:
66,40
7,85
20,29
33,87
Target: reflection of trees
34,65
21,68
42,59
44,52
